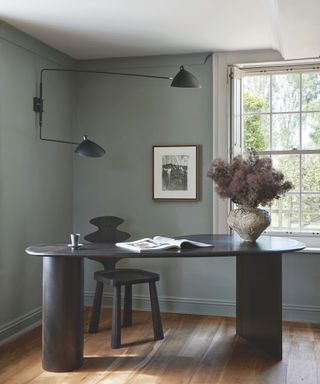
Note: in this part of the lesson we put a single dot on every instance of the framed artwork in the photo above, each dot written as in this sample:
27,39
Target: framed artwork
175,172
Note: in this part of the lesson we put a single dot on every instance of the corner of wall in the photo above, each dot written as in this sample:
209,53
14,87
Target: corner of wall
25,41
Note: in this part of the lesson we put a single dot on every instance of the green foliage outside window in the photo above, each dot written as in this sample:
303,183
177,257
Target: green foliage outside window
254,135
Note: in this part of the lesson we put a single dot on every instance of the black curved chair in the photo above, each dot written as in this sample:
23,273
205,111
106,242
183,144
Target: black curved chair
108,233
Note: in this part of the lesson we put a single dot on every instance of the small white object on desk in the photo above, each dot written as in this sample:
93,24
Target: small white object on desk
75,238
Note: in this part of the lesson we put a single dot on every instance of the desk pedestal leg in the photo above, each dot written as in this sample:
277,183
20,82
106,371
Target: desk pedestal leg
259,301
63,305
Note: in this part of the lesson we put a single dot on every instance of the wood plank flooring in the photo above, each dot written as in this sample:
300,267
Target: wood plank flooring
196,350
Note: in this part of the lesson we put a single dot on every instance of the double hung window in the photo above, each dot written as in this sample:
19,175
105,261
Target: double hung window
276,112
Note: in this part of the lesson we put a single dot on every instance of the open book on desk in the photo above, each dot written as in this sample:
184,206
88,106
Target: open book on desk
158,243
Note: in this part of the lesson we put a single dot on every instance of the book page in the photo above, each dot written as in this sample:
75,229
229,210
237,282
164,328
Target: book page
162,240
165,240
184,243
146,244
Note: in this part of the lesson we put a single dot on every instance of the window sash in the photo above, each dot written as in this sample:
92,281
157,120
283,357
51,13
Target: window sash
277,113
237,80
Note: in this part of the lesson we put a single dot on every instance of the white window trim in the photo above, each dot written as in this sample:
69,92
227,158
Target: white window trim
312,239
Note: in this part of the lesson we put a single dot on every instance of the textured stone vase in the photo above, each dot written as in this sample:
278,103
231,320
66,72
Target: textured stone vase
249,222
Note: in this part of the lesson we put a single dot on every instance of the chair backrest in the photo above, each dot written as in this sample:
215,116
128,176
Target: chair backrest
107,230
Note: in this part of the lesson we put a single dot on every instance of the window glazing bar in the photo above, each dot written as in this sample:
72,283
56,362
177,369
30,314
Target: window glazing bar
290,152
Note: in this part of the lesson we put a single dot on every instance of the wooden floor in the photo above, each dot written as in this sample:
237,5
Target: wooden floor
196,350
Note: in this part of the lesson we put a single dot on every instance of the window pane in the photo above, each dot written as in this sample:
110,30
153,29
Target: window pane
256,94
256,132
285,131
310,213
311,173
289,165
311,130
285,213
311,91
286,93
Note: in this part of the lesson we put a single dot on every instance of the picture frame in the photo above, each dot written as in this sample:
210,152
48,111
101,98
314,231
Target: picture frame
175,172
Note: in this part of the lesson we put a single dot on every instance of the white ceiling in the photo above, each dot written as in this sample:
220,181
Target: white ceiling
88,29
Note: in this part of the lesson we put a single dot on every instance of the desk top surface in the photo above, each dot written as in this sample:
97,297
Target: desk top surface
222,245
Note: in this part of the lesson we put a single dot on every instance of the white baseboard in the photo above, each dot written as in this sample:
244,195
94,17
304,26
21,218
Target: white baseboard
213,307
20,325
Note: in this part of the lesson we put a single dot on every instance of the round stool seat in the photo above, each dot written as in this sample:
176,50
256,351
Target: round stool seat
126,276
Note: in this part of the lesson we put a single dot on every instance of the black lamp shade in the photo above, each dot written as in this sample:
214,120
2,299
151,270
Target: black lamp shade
89,148
185,79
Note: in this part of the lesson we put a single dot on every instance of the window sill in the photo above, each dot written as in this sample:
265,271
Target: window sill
311,241
310,250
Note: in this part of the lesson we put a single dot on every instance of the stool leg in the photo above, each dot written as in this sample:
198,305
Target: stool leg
116,318
96,308
127,310
156,317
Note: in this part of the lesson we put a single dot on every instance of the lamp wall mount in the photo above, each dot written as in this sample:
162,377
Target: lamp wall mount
37,104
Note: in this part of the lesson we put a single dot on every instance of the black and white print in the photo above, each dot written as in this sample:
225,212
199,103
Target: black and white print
175,172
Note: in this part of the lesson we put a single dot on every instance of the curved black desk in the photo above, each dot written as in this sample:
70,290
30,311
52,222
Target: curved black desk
259,290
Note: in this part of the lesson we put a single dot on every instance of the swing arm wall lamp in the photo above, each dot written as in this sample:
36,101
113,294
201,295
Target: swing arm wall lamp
183,79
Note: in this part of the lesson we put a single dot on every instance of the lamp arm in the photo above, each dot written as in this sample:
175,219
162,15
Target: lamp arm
38,107
38,101
102,73
57,141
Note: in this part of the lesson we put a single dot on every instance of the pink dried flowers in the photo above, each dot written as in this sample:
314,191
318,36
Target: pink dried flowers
250,181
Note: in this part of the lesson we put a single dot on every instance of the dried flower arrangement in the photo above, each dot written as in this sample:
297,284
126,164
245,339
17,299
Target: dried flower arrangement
250,181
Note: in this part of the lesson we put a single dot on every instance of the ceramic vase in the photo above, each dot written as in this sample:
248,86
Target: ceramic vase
249,222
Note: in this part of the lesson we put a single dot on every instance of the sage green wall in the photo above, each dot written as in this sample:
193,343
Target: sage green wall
128,116
35,177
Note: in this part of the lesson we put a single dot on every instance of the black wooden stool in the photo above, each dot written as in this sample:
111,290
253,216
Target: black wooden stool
108,233
127,278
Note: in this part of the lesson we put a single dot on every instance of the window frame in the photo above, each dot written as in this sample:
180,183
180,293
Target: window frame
236,72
